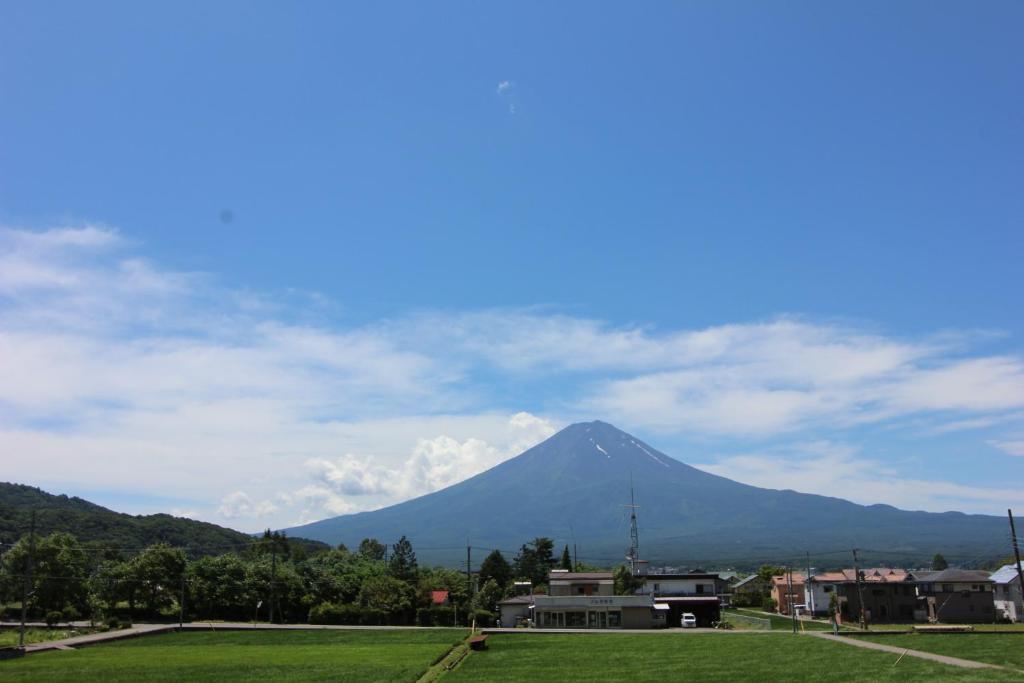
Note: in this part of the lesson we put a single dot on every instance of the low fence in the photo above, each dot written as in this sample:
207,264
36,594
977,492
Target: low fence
748,621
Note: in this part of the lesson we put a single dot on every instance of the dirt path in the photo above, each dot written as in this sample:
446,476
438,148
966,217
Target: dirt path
942,659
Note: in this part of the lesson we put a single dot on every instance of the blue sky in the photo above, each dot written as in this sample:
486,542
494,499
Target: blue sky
368,244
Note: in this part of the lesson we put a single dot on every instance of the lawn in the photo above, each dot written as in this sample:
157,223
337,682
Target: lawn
335,655
696,657
779,622
9,636
1004,649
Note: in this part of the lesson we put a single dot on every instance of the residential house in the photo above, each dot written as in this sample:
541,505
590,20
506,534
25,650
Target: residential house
1007,594
887,594
695,592
749,591
787,591
515,611
956,595
588,600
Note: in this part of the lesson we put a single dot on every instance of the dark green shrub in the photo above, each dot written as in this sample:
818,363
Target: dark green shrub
483,617
53,617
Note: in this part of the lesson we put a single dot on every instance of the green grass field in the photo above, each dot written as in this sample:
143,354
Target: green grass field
403,655
696,657
243,656
1004,649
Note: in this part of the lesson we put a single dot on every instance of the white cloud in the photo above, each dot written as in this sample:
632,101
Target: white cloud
356,482
838,470
240,504
504,86
116,373
1010,447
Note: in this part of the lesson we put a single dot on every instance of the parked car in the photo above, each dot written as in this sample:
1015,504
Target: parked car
689,620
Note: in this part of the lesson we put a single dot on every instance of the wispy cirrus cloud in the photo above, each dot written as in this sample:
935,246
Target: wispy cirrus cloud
116,372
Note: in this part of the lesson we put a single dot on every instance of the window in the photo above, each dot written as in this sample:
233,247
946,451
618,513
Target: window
700,588
948,588
575,619
614,619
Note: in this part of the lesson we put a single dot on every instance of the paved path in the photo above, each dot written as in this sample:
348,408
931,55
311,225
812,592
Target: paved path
100,637
942,659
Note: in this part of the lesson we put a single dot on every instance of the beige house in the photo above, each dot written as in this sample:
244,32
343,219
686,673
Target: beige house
588,600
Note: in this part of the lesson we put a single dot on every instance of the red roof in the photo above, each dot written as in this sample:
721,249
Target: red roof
439,597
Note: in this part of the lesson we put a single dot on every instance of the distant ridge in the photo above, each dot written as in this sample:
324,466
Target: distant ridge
91,523
571,487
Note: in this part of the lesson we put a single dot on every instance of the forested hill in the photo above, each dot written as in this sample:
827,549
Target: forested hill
94,524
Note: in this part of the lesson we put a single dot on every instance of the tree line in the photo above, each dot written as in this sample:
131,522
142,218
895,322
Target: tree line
272,579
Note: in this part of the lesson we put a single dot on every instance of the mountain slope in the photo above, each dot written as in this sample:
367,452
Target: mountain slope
91,523
572,487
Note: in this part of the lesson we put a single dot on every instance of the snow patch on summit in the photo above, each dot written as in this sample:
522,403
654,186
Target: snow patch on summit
653,456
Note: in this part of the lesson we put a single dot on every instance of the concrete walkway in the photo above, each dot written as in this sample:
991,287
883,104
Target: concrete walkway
942,659
100,637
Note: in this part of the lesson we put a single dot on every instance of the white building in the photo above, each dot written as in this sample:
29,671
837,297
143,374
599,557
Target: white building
1006,594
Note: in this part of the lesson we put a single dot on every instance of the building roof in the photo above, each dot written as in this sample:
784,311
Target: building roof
581,576
679,577
750,579
517,600
784,579
1005,574
957,576
870,575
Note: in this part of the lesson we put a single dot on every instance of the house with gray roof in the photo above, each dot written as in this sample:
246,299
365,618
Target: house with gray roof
956,596
1007,595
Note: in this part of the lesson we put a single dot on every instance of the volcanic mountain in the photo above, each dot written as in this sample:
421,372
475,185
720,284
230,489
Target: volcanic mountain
573,487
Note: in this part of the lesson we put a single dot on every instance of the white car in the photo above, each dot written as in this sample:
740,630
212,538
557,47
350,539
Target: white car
689,620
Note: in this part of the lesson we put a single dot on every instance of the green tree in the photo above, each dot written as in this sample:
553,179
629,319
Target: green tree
495,567
402,564
625,582
939,563
535,560
59,574
156,574
371,549
218,588
107,585
566,559
488,596
387,593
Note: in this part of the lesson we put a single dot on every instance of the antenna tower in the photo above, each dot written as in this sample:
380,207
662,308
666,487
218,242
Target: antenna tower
633,555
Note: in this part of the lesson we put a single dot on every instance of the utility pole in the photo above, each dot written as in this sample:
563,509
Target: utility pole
1016,554
469,576
789,596
273,577
26,580
808,589
575,559
860,593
